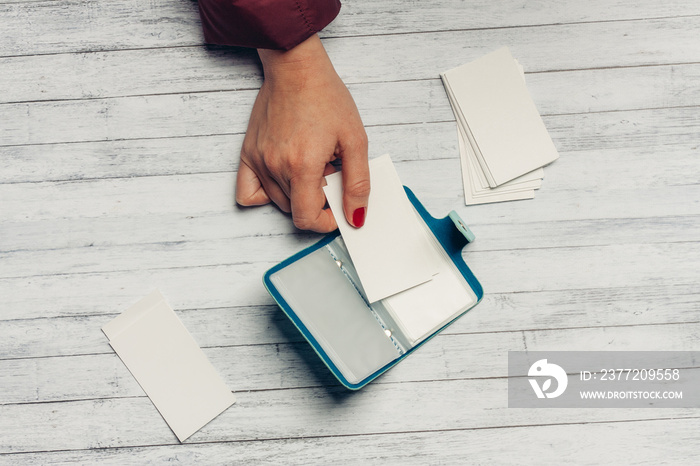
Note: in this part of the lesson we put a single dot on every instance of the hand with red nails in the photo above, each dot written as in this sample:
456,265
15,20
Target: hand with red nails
303,119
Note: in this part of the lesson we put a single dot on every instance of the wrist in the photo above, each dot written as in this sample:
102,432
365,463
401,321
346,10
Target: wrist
297,65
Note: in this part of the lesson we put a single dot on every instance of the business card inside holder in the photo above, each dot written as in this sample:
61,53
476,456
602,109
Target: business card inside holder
320,292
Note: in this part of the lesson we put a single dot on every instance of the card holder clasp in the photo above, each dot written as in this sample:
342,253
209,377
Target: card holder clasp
462,227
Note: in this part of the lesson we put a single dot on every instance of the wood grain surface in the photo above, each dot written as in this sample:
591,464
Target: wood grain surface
119,139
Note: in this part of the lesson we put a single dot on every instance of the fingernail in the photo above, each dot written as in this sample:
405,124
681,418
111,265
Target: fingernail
358,217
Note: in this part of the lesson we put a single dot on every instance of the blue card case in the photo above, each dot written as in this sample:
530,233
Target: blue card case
318,289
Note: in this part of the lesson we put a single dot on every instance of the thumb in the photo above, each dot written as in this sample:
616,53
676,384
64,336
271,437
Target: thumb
249,189
356,185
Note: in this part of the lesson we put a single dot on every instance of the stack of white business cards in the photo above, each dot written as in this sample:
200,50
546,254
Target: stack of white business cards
502,139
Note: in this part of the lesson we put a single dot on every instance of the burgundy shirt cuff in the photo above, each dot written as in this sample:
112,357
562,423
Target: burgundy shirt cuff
265,24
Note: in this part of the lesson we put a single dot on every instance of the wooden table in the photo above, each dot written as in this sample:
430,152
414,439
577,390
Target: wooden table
119,141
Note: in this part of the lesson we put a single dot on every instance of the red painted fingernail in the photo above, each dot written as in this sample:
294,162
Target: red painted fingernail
358,217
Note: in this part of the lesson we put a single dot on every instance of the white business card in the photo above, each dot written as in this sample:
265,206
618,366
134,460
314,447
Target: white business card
390,252
169,365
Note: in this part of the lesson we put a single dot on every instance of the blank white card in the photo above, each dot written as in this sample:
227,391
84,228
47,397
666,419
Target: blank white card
169,365
391,253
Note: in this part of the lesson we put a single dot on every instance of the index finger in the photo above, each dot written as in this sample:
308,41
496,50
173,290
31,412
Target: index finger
308,201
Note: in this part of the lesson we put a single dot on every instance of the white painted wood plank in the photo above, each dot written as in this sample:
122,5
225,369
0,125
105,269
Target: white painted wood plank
21,1
641,194
155,256
396,16
234,249
239,284
126,118
66,336
54,26
200,114
295,365
636,442
128,72
159,254
502,227
267,325
613,135
70,25
171,233
275,414
547,48
570,268
124,158
186,70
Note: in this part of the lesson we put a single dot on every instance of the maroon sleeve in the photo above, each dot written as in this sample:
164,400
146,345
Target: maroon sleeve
267,24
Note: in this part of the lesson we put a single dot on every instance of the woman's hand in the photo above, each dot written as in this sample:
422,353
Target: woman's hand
303,118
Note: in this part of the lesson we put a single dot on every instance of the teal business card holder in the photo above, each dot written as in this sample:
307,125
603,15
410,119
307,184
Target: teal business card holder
319,290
